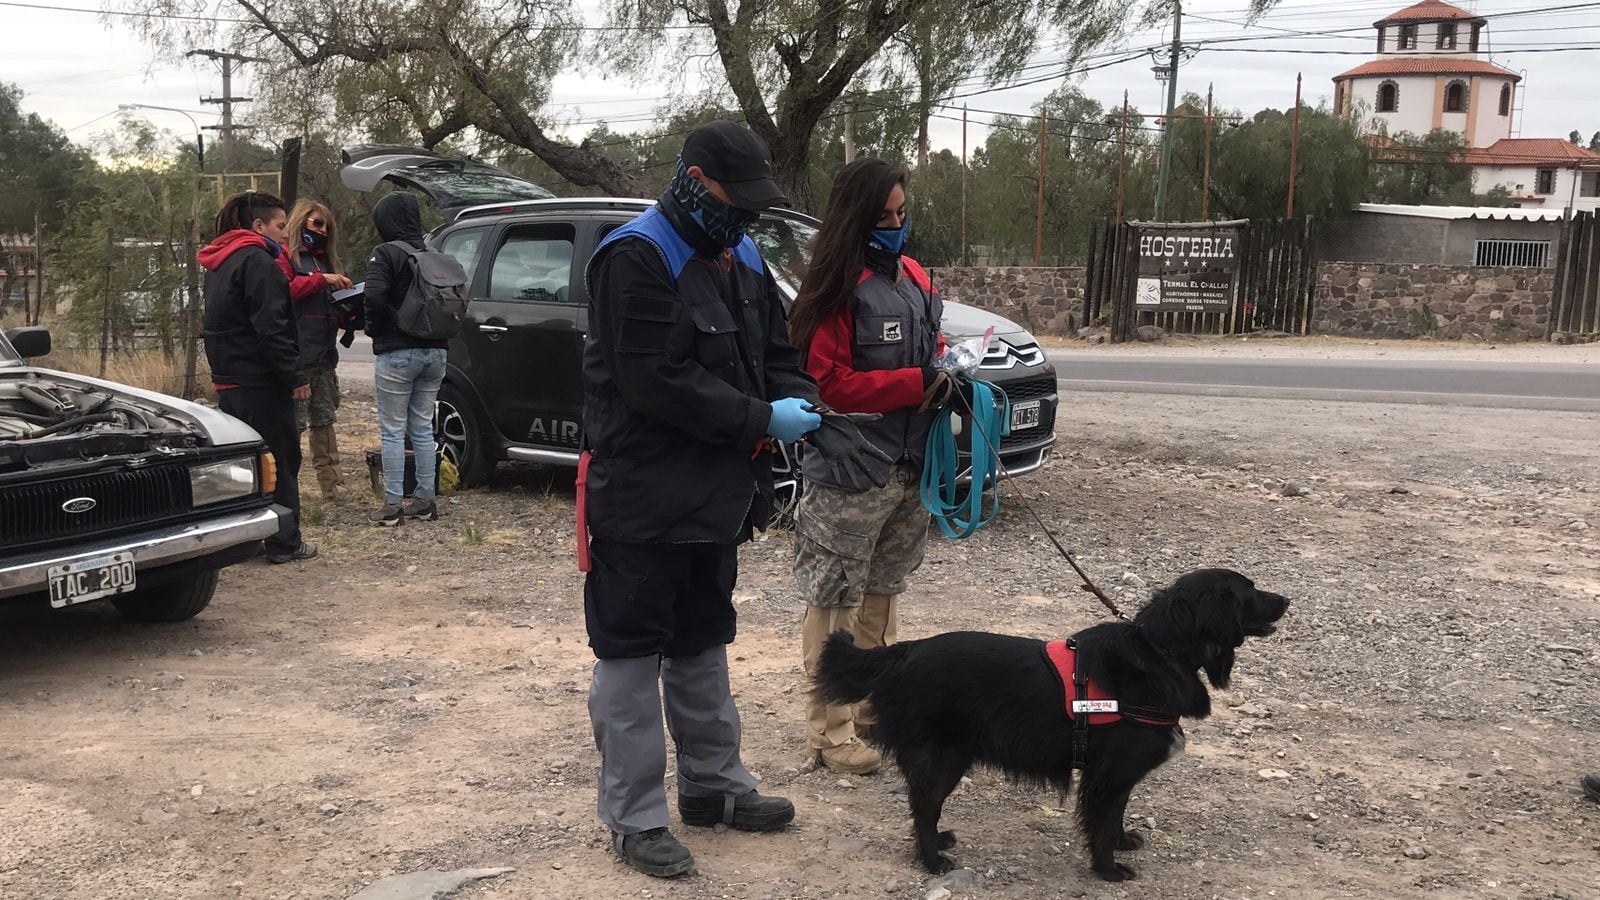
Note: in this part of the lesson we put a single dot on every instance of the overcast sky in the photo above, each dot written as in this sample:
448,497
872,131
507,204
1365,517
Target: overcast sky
76,69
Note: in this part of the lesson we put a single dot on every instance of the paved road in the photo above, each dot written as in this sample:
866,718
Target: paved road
1434,382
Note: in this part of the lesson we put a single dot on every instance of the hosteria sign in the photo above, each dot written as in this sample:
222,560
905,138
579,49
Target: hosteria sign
1186,268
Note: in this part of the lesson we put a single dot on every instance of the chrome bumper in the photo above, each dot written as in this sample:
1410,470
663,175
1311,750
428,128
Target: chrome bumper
29,573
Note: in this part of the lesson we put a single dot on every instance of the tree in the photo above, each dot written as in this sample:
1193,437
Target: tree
41,176
1576,137
1594,142
789,63
1427,170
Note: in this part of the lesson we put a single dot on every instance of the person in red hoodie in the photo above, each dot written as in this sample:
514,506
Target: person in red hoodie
252,345
867,322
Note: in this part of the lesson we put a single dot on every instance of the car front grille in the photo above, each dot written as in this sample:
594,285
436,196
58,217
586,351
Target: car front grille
1043,389
35,513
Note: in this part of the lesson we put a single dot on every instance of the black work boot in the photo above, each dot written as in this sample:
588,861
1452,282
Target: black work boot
746,812
655,852
1591,786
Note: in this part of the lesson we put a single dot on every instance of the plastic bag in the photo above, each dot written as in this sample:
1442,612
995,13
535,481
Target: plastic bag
965,357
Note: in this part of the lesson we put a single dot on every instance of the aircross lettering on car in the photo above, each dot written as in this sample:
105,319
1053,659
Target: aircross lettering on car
514,387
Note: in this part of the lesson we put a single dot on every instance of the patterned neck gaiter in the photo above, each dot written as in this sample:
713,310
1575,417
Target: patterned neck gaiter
722,223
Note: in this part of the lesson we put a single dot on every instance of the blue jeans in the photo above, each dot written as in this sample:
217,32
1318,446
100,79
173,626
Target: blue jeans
408,386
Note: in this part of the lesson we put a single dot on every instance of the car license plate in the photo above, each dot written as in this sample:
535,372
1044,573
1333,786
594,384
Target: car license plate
1025,415
91,579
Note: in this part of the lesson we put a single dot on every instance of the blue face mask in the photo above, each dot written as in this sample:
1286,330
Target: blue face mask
890,239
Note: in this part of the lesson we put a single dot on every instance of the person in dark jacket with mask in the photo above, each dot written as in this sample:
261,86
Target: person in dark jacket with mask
313,261
688,376
252,345
409,369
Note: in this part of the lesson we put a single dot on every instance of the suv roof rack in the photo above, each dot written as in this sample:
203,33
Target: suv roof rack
495,209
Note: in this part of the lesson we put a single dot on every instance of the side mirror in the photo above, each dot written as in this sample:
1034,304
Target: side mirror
30,342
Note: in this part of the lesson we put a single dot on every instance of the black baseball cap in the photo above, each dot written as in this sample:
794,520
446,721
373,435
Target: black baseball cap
736,158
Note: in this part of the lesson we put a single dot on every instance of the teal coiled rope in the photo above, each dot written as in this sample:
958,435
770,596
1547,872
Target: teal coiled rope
961,510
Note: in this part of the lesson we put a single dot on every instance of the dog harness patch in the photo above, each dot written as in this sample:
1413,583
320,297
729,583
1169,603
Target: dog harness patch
1092,702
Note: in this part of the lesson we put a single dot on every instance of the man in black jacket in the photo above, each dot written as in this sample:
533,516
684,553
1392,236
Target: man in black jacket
409,369
688,375
252,345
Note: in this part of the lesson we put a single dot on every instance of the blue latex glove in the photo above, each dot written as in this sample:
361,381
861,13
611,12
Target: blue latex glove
792,419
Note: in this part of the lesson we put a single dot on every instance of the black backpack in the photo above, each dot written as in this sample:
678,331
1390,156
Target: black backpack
436,302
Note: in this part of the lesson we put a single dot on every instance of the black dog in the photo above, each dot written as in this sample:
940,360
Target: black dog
949,701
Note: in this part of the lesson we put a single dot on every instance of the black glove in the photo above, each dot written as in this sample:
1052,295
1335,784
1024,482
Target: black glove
854,463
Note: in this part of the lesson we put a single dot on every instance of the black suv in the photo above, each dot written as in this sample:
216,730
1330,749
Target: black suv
514,388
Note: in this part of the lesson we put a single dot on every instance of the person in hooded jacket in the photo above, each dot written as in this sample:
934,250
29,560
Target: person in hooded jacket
867,319
313,269
252,344
409,369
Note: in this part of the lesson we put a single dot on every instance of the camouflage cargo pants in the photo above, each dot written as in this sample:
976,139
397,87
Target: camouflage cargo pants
323,408
848,545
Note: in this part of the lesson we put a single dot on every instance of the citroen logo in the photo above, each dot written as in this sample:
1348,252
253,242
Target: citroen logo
79,505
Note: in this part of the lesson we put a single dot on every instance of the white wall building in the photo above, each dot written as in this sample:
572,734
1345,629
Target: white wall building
1430,74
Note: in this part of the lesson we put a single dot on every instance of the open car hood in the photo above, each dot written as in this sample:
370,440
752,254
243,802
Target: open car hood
453,183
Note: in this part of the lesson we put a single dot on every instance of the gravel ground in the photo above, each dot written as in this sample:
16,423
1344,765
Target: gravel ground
415,698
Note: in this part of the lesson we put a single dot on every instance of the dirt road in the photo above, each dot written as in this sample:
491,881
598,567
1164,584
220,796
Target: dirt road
416,698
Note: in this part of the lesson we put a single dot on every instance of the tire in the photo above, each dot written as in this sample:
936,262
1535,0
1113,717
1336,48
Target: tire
175,602
458,429
787,484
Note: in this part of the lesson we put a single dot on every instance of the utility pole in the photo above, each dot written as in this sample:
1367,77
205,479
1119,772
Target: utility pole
1038,226
1294,145
105,311
1205,180
965,258
34,317
849,132
1122,155
227,100
1172,107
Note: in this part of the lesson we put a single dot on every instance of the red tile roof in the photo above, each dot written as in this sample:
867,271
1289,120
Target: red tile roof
1427,65
1429,11
1532,152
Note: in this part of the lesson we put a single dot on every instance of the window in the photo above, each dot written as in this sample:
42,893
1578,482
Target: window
1535,254
1381,33
1505,100
1476,28
1408,37
1455,97
1589,184
465,245
1546,182
533,265
1447,36
1388,97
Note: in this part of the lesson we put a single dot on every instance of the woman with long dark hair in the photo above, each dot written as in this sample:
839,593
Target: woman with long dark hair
867,321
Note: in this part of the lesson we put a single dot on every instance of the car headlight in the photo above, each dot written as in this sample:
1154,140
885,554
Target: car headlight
218,482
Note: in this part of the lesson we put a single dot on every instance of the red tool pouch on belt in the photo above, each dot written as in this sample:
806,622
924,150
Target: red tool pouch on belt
583,512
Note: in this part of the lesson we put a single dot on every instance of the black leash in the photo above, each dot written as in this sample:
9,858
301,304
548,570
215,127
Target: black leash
1088,584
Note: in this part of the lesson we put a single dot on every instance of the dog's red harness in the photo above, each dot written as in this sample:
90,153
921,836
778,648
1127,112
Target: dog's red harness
1089,706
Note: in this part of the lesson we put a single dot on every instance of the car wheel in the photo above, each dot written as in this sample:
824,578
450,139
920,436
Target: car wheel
787,484
175,602
460,435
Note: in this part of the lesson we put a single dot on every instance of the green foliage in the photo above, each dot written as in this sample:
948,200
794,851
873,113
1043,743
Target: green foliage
1423,170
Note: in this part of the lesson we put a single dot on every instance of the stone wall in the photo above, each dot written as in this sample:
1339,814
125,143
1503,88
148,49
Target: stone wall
1401,301
1043,300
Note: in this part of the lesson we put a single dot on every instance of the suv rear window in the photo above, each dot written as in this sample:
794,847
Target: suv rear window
533,264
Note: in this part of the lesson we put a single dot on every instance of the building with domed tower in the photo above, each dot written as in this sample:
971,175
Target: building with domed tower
1432,71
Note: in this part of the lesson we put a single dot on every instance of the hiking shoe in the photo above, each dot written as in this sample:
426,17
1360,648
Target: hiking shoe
1591,786
851,758
746,812
655,852
426,510
387,517
303,552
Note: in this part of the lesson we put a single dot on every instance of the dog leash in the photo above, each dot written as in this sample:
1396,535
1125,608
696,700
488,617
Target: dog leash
1088,583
